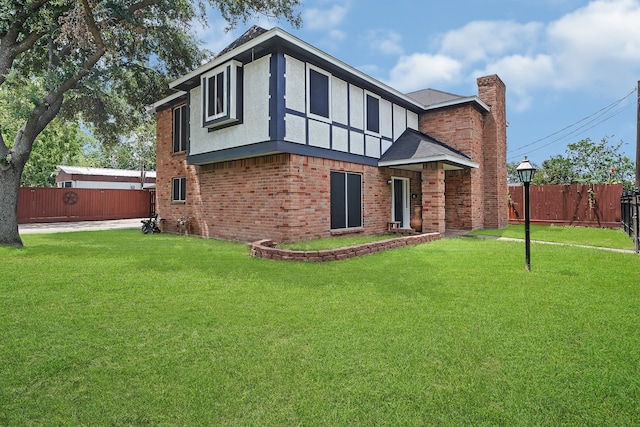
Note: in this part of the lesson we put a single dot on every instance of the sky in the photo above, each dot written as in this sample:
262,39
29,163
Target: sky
571,67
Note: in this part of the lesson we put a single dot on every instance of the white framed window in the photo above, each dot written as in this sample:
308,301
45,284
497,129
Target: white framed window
65,184
179,190
222,95
372,113
318,93
180,124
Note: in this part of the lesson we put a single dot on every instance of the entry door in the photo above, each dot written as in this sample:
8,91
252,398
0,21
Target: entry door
400,201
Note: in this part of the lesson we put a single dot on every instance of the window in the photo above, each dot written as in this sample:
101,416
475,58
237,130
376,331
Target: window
319,93
179,189
222,95
216,95
65,184
180,124
372,111
346,200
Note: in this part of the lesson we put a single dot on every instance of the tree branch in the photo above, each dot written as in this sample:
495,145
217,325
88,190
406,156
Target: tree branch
142,5
49,107
91,24
11,49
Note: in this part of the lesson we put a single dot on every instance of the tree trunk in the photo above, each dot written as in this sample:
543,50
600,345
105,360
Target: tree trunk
9,188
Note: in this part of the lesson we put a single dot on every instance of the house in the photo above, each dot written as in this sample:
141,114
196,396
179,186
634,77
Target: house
276,139
86,177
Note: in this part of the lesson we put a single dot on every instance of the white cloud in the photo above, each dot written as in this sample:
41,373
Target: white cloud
597,44
481,40
386,42
420,70
322,19
595,48
522,73
337,35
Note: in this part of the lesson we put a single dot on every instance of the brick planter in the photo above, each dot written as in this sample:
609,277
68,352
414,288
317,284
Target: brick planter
267,249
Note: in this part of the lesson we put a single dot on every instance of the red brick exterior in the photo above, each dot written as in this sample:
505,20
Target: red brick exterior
286,197
433,198
283,197
475,198
491,90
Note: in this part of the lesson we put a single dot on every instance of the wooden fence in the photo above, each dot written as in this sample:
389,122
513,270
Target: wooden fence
630,207
36,204
590,205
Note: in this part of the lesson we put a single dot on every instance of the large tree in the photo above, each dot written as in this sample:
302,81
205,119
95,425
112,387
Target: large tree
105,59
588,162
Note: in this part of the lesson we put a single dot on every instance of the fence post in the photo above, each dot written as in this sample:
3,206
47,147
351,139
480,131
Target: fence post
636,222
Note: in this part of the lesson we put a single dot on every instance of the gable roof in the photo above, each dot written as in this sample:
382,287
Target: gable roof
254,42
247,36
257,41
414,148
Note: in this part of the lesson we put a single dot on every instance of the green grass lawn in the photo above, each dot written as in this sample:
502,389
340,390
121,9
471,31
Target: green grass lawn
117,328
600,237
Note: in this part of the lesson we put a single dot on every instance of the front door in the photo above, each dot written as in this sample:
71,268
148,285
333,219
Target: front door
400,201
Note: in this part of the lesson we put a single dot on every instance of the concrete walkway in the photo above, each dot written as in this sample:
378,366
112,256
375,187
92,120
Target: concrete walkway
60,227
512,239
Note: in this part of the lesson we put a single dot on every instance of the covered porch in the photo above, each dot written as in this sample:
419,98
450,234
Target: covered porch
446,197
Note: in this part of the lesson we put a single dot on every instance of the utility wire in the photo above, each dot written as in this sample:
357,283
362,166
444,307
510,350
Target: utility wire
596,117
583,128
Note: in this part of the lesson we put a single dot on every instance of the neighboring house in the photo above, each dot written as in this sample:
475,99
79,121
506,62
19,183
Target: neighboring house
84,177
276,139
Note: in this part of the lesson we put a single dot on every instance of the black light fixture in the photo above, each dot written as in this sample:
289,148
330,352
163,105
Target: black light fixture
526,172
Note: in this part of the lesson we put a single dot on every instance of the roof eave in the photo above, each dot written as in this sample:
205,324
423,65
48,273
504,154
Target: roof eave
459,101
166,101
445,158
277,32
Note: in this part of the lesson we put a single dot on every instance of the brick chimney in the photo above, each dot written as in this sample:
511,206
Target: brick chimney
492,90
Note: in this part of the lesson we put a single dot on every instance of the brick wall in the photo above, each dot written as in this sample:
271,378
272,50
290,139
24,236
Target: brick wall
461,128
458,210
491,90
172,165
283,197
475,198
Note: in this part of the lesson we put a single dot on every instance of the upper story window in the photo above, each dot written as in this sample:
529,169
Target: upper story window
180,125
318,93
222,95
372,109
372,113
216,97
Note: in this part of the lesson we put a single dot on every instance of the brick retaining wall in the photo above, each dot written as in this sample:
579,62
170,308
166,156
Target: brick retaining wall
266,249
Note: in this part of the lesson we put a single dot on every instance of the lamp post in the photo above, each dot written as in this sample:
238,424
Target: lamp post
526,171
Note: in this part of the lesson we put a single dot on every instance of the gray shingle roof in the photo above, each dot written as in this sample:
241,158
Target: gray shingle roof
248,35
414,147
431,96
